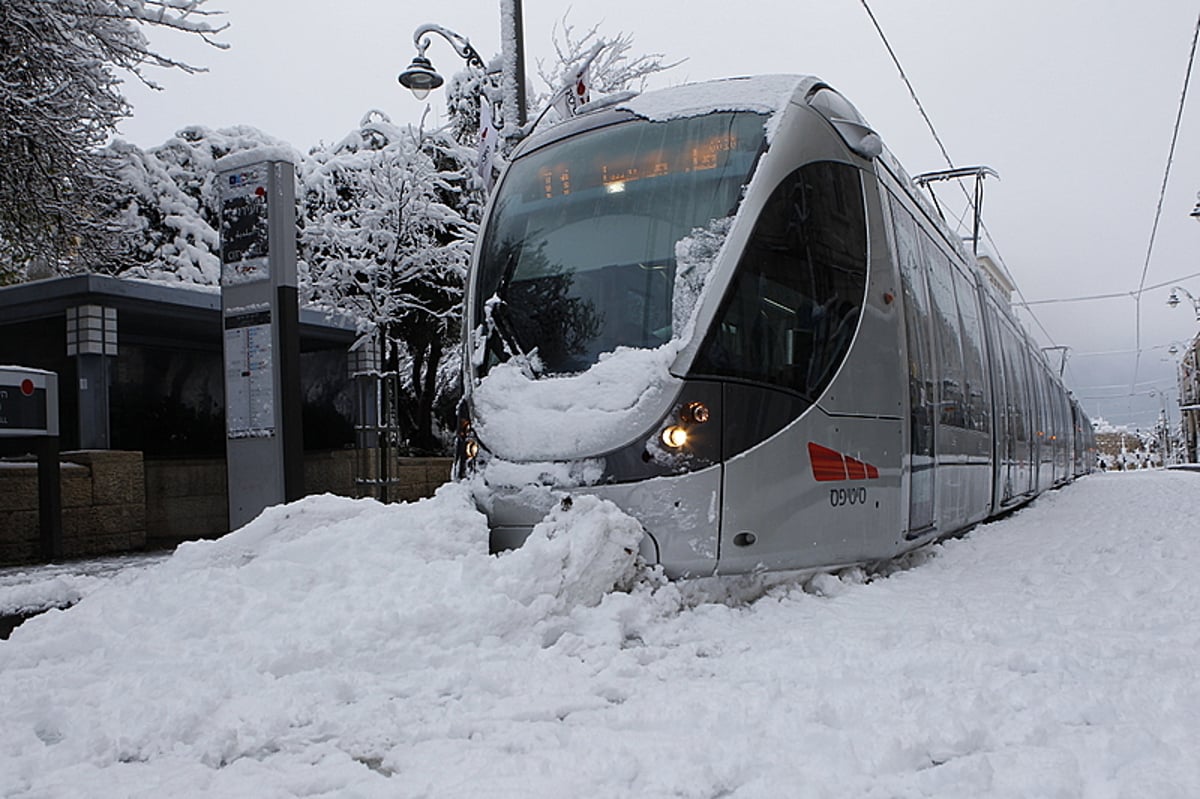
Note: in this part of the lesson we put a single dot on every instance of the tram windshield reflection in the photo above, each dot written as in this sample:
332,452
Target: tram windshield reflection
580,247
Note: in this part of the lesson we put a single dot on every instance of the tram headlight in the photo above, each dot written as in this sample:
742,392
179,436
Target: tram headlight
675,436
466,435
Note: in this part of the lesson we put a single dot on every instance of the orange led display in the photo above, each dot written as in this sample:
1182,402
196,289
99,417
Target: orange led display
612,172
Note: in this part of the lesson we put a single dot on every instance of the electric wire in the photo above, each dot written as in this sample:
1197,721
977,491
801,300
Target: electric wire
1095,353
912,92
950,162
1162,193
1110,296
1025,304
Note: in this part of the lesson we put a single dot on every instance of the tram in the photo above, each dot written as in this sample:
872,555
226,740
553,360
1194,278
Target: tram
726,308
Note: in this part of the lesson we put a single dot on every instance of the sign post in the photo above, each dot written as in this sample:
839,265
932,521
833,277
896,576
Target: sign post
261,320
29,409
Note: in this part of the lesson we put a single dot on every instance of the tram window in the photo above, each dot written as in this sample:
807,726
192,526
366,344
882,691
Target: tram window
792,310
920,349
952,405
1022,394
978,412
1000,386
1013,392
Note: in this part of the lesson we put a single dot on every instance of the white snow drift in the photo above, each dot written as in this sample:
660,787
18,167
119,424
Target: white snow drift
344,648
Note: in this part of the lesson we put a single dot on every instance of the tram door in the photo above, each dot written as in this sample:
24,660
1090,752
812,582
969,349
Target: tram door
922,382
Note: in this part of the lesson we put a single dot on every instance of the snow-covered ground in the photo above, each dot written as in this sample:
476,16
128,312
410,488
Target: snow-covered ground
32,589
343,648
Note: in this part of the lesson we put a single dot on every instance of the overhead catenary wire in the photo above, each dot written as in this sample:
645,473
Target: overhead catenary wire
1162,193
1025,304
1111,295
1095,353
904,77
949,161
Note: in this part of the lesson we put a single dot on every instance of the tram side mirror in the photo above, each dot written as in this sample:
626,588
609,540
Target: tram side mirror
858,137
846,120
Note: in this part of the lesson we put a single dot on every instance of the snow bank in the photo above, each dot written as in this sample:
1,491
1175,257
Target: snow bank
344,648
305,625
260,154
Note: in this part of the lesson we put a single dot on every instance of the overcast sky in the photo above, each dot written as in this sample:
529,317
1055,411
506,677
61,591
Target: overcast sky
1072,102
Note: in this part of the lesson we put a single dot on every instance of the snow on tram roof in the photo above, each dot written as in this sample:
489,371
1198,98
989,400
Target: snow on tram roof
763,94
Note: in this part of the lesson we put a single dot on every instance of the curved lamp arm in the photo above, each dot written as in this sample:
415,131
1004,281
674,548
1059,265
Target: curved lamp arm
460,43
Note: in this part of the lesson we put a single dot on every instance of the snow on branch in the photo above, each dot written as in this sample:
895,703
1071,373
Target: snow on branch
614,70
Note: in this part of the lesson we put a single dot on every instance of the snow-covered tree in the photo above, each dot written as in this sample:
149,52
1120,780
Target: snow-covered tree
60,100
382,243
171,207
613,68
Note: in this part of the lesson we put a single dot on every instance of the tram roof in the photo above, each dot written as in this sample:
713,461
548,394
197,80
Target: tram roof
763,94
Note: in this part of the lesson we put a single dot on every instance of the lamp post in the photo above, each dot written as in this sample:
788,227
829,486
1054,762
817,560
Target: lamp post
512,50
421,78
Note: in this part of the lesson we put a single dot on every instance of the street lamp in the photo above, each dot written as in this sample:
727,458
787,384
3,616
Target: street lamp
1173,300
1196,211
421,78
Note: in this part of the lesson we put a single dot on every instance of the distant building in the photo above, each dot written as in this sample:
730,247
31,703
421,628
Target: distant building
1120,449
1189,398
996,275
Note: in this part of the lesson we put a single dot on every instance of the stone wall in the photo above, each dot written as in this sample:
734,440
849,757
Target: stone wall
420,477
185,500
103,506
115,502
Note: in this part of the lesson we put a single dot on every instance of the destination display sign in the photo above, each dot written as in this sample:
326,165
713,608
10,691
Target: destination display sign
614,170
244,232
28,402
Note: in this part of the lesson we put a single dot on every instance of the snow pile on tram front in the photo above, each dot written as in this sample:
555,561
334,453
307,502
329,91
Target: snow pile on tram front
583,415
573,416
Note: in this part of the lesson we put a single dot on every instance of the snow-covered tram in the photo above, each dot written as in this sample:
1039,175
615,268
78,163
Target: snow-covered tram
726,308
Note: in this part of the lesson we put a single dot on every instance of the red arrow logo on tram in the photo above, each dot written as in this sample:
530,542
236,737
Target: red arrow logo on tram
828,464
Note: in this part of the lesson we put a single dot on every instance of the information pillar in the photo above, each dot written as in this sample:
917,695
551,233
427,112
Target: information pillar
259,312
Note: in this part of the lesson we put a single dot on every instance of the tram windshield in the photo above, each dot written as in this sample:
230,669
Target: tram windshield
579,256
